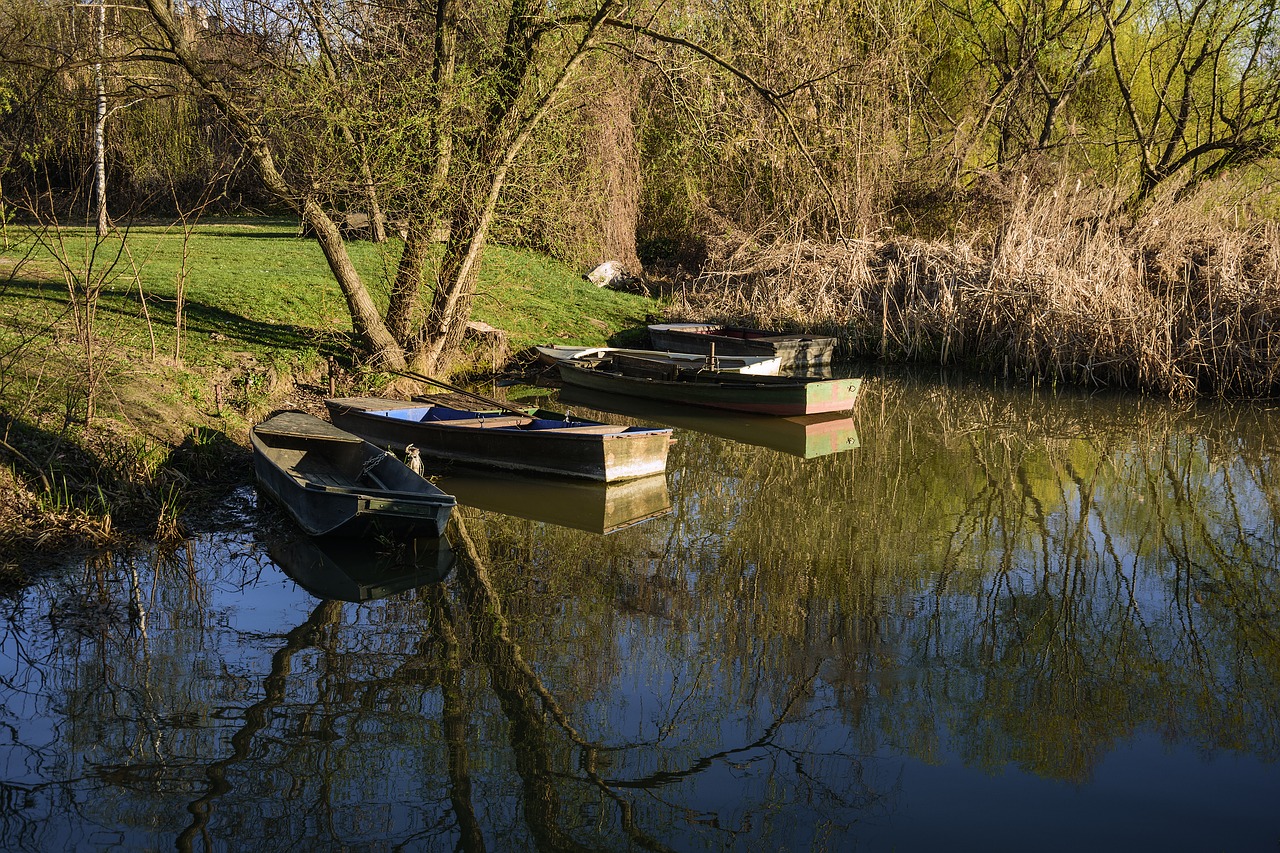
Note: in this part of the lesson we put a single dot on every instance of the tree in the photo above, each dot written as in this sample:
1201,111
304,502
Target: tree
428,108
784,119
1023,63
526,72
1200,87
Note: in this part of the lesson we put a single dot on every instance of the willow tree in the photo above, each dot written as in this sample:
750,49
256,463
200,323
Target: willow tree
1009,72
516,82
784,119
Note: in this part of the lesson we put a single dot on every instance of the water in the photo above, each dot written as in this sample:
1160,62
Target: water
965,617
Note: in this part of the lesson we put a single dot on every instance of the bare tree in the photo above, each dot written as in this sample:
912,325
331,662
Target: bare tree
1200,87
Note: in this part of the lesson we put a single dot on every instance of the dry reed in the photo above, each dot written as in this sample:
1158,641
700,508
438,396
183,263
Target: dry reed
1180,303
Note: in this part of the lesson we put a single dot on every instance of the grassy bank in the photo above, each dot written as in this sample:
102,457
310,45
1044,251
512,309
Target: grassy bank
1185,302
83,319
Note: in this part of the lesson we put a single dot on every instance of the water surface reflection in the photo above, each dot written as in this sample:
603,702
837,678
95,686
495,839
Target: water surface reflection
1003,619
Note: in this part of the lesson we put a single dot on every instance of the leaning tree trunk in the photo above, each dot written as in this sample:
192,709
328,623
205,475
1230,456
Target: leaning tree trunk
384,349
365,319
455,282
407,288
446,322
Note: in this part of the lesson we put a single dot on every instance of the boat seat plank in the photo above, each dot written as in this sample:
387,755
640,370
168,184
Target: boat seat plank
483,423
298,424
377,481
590,429
324,478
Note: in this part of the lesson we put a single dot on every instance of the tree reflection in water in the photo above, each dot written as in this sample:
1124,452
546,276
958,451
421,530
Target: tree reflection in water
996,580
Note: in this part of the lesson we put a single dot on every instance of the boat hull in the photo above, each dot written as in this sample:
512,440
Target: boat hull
585,450
762,395
334,484
794,351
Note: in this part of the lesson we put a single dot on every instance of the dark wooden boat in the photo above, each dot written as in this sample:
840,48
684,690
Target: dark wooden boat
540,441
335,483
806,436
795,351
766,395
344,569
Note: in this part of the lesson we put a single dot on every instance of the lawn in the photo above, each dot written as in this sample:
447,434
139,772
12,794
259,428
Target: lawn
260,303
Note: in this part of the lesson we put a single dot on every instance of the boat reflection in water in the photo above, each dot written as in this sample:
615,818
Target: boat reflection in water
360,569
806,436
581,504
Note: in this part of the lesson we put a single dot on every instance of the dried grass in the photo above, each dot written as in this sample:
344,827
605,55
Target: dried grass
1180,303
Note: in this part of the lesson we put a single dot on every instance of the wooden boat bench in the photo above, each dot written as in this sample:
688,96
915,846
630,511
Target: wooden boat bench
483,423
322,479
325,482
592,429
323,473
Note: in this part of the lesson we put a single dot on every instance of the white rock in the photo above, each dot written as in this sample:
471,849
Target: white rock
606,274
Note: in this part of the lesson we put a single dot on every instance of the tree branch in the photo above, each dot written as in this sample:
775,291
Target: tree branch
771,97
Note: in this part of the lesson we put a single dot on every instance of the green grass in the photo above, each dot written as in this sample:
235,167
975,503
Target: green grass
537,300
258,285
259,300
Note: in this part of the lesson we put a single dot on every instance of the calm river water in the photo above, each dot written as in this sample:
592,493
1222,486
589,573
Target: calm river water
964,618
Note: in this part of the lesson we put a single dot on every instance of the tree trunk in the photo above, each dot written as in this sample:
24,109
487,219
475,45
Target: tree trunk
455,289
455,283
365,319
103,223
407,288
367,323
613,147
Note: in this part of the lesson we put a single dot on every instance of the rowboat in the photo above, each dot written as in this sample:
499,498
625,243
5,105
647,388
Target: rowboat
335,483
580,504
766,395
536,440
805,436
794,350
752,364
343,569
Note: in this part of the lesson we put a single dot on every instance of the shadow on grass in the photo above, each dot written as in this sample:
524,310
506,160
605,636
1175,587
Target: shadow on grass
199,318
274,227
278,228
635,338
284,232
206,319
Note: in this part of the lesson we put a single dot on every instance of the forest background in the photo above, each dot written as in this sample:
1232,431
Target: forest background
1060,190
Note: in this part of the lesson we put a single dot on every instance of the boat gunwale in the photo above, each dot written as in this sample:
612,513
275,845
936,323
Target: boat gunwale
384,416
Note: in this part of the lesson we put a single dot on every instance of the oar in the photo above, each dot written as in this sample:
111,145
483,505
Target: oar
464,392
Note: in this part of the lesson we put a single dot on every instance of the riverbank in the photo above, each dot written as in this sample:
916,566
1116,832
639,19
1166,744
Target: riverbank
1184,302
130,370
